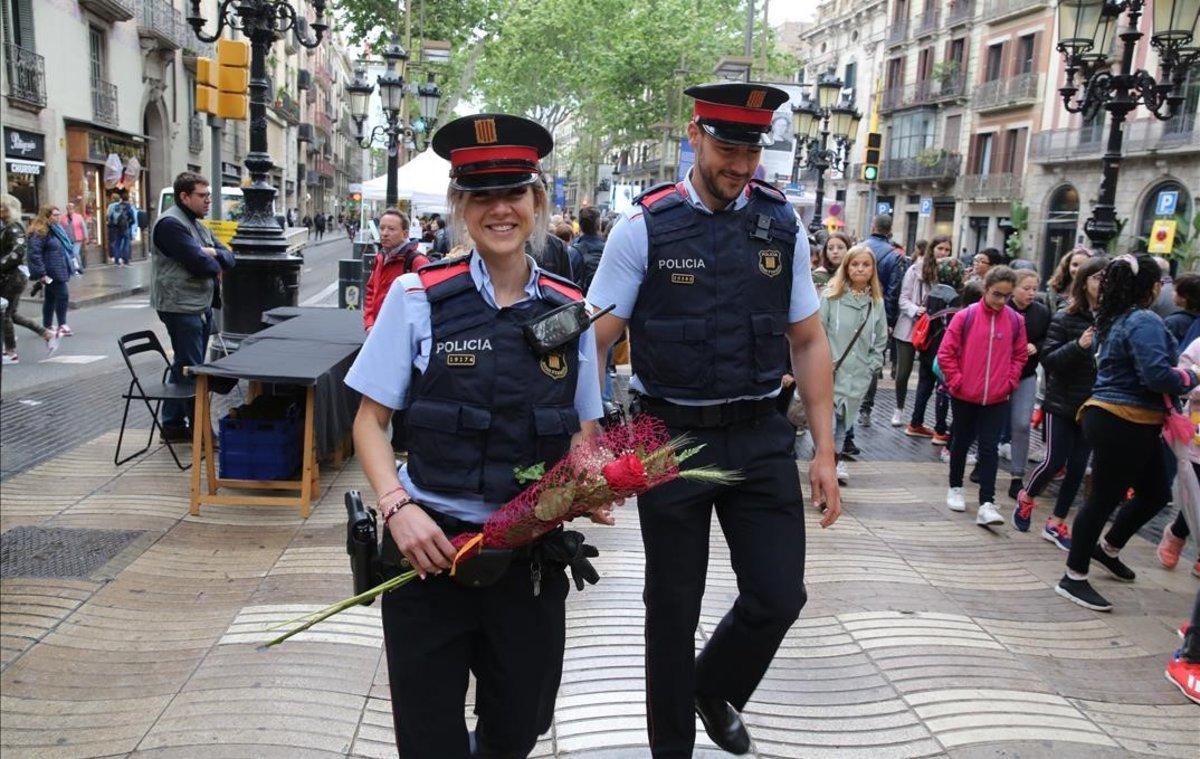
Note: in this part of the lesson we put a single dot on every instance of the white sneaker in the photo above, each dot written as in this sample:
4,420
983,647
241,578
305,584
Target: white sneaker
1005,451
10,358
898,418
955,500
52,344
988,515
945,455
972,459
843,476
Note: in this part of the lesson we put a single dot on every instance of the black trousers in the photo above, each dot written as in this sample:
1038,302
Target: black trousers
1065,446
1124,455
436,631
763,522
975,423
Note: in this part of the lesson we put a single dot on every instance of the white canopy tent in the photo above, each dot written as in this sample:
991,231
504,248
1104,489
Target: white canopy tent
423,181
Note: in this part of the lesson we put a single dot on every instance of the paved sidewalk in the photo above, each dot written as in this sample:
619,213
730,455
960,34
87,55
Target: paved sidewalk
924,634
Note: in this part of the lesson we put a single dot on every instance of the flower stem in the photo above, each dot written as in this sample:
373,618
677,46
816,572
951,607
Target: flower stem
341,606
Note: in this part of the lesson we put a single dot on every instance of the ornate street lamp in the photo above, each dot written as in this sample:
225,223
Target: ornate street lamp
266,275
1087,35
819,116
397,131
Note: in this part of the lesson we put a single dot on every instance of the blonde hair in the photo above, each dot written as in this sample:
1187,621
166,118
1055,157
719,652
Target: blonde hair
839,283
41,223
457,200
13,205
1024,274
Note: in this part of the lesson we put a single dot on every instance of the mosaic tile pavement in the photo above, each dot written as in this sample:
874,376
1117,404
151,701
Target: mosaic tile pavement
924,635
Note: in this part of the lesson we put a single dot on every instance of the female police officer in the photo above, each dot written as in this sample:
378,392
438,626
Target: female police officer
448,347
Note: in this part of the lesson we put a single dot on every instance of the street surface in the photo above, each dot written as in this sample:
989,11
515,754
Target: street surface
924,635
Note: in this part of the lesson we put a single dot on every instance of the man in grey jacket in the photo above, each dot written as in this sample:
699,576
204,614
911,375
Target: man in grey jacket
186,264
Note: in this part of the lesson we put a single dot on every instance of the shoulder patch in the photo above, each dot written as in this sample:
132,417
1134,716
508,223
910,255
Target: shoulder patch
768,191
436,273
559,285
660,196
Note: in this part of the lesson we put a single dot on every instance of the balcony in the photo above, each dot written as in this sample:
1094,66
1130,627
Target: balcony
960,13
323,123
196,134
111,10
306,133
312,178
324,167
648,167
287,107
304,79
322,74
985,188
159,22
898,32
928,166
1013,92
1142,137
924,93
104,102
925,24
1002,10
26,72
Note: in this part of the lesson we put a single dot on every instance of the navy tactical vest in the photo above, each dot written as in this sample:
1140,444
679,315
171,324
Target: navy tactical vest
487,403
711,316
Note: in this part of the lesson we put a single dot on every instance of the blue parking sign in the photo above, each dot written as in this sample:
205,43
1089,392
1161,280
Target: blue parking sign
926,206
883,209
1166,203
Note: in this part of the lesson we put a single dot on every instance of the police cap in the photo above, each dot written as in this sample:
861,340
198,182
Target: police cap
492,151
736,112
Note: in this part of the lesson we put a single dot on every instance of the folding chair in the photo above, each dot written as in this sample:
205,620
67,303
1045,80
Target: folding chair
152,393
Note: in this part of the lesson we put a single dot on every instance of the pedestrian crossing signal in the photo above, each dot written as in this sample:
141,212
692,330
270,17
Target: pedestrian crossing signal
870,170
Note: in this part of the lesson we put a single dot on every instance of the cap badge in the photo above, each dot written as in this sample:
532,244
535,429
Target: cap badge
755,98
485,131
554,365
769,262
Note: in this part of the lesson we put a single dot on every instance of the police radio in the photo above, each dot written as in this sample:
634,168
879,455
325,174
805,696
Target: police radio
553,330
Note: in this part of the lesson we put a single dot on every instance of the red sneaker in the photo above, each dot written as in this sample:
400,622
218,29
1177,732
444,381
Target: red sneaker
940,439
918,430
1168,549
1185,676
1183,629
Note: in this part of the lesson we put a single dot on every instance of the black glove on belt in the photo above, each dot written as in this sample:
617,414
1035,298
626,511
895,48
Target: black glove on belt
567,547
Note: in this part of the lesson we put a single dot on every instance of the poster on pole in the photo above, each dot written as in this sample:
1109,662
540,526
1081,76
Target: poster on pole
779,156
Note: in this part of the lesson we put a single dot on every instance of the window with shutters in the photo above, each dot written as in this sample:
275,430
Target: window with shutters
982,163
995,58
953,133
18,24
1025,54
851,79
98,50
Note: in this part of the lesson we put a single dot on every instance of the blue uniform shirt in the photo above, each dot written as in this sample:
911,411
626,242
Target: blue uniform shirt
402,339
626,257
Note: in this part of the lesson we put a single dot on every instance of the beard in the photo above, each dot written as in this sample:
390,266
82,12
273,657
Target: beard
723,187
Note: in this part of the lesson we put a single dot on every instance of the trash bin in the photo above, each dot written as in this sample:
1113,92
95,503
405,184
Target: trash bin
368,265
350,284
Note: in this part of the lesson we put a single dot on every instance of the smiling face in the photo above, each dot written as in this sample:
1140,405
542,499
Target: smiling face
723,168
500,221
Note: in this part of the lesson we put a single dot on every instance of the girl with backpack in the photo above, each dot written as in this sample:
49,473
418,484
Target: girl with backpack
855,323
940,303
919,279
981,358
1136,383
1068,358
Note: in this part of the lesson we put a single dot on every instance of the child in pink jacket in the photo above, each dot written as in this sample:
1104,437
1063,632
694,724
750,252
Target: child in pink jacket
981,358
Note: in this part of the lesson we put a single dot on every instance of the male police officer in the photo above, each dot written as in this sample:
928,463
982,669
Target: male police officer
712,277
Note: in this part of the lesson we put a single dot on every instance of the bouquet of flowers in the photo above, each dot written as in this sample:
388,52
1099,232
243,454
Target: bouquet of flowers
623,461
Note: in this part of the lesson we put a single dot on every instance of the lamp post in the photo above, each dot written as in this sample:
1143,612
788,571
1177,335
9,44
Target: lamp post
814,121
266,275
397,130
1087,40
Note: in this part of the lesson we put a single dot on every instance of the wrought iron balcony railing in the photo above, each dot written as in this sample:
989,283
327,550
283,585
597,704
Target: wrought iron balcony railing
993,187
104,102
26,72
928,166
1141,137
999,10
1010,92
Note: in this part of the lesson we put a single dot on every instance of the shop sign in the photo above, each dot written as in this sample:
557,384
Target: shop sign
100,146
26,145
24,167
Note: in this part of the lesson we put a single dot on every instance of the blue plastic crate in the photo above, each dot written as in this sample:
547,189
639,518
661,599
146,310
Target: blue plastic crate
260,449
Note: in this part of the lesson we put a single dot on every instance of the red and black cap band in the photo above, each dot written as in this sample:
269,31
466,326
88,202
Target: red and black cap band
492,151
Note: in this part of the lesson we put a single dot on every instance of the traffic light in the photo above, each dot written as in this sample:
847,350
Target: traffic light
870,172
233,79
206,85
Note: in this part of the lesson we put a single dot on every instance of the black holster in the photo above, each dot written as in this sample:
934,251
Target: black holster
362,544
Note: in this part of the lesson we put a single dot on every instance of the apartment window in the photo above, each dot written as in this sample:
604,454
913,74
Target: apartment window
1093,128
957,51
953,133
895,73
924,64
984,143
995,57
901,11
851,79
1025,53
911,133
1184,120
98,52
18,24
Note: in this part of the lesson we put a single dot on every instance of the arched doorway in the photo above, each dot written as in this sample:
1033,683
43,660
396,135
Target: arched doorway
158,156
1062,224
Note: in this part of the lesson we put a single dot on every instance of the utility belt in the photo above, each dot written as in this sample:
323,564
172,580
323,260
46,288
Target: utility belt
703,417
370,565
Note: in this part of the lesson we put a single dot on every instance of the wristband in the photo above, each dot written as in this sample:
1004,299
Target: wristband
391,510
393,491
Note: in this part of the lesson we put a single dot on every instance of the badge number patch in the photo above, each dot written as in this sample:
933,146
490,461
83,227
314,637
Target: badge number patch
554,365
683,279
770,262
460,359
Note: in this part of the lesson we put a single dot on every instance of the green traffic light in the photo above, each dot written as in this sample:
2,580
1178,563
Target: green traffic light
870,173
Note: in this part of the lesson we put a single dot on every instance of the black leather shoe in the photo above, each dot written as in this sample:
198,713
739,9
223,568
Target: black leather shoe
723,724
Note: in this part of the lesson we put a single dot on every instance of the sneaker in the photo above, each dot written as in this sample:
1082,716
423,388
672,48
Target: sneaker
64,331
1082,593
10,358
1185,676
1183,630
52,344
898,418
1004,450
918,430
176,435
864,418
955,500
1023,513
1014,487
1117,568
940,439
1061,473
945,455
1168,549
850,449
988,515
1058,534
843,476
972,459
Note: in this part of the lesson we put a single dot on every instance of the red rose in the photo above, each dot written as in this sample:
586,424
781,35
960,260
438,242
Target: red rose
626,475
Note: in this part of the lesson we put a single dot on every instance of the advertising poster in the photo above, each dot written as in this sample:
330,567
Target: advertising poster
778,157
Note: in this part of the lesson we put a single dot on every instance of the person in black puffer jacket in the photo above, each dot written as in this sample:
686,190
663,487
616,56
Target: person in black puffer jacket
1068,355
1037,323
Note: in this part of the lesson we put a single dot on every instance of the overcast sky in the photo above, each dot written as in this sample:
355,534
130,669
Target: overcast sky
780,11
